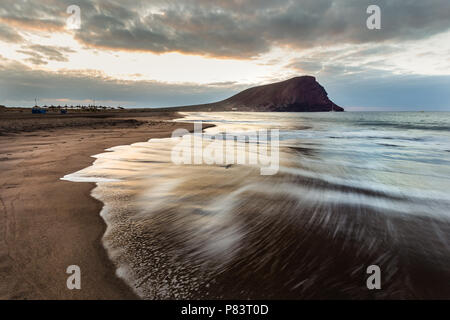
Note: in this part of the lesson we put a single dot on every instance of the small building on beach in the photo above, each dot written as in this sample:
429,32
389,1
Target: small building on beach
37,109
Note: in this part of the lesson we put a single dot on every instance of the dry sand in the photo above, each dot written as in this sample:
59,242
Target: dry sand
47,224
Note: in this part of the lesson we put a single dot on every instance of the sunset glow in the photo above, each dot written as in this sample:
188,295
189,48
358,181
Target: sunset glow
168,44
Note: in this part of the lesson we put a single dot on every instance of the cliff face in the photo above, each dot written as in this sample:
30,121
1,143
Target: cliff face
300,94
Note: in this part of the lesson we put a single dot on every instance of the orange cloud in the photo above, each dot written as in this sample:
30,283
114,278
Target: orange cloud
34,24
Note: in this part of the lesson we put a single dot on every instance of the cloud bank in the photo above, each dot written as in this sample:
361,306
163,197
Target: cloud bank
325,38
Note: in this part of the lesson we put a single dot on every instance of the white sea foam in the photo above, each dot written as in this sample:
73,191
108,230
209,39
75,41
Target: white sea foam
175,230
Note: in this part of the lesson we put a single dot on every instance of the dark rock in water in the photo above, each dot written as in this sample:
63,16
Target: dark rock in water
299,94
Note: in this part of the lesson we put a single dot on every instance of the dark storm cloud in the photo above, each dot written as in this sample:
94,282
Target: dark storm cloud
232,28
39,15
243,29
308,23
183,29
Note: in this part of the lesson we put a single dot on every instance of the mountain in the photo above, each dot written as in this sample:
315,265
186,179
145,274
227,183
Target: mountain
299,94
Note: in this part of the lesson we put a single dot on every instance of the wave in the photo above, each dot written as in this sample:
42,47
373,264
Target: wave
310,231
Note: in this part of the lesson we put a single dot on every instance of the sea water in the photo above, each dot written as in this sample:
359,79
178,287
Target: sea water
353,189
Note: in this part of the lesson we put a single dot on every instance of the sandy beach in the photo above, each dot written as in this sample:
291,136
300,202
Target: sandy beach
48,224
219,232
224,155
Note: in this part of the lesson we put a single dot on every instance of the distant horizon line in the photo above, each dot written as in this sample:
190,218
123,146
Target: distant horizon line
347,109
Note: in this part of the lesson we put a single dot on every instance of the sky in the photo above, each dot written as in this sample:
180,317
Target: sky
171,53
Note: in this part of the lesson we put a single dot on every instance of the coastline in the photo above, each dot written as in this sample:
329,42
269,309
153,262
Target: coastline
48,224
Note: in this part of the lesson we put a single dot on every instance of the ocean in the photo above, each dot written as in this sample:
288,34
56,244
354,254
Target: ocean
350,190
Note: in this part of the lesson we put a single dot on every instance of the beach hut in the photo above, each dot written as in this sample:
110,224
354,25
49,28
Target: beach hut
37,109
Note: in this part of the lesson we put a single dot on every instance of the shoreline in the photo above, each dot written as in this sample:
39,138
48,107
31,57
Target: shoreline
48,224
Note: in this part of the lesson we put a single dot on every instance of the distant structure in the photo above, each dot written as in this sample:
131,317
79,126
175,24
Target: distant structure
36,109
39,110
64,110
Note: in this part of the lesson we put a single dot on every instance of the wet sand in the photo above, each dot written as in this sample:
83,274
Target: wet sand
316,249
47,224
309,232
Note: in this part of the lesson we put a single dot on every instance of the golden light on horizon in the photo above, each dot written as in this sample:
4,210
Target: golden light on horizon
187,68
